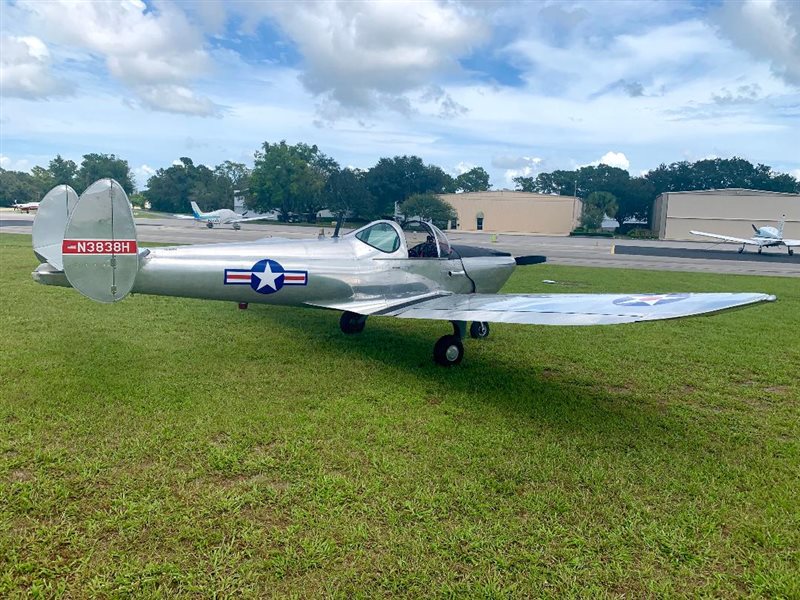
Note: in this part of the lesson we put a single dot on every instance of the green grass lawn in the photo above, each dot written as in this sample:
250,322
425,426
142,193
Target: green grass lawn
169,447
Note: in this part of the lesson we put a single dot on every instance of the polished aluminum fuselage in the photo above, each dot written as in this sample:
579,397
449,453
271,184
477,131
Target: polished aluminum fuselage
340,271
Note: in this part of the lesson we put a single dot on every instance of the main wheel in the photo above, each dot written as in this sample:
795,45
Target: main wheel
759,249
210,225
741,249
479,330
791,251
236,226
448,351
352,322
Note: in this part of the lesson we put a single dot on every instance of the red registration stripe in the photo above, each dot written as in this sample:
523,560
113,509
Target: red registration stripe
98,247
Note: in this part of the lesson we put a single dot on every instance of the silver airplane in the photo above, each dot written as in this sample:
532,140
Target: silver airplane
765,237
222,216
381,269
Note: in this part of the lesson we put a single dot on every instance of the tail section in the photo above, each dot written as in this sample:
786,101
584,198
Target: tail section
50,223
99,248
196,210
780,226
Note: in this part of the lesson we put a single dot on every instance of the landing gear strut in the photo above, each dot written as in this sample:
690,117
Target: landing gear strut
741,249
352,322
759,249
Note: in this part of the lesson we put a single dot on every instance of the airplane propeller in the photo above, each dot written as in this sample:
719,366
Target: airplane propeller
754,227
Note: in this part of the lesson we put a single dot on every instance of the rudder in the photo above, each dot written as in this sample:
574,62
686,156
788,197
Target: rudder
100,251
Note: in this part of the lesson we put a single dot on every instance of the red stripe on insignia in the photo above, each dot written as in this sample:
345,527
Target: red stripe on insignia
294,277
239,276
99,247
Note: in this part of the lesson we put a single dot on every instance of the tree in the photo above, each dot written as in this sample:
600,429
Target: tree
228,177
719,173
474,180
43,180
429,207
62,171
290,179
346,193
595,207
100,166
169,189
392,180
17,186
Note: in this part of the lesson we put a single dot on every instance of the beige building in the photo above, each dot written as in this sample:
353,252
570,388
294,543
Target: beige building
728,212
516,212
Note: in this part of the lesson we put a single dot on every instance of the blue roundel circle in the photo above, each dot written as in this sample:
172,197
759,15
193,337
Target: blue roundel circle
650,299
266,276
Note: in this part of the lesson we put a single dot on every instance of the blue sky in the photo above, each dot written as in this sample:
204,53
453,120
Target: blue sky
517,88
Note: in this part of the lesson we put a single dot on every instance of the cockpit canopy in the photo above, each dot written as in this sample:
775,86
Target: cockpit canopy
422,240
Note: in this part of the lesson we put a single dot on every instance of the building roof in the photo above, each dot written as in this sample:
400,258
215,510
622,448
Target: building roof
733,192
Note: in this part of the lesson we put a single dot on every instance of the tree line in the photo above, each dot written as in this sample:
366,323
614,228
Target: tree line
300,180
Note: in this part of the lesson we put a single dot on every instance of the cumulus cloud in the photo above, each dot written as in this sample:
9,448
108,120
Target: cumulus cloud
768,29
612,159
743,94
365,55
26,70
516,166
156,52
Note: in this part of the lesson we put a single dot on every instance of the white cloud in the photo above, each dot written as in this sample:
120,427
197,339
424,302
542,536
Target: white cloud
795,173
142,173
147,49
769,30
26,70
463,167
9,164
176,99
615,159
364,55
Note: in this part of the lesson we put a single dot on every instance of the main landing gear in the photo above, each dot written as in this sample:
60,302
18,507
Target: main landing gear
352,322
210,225
236,226
791,251
449,349
741,249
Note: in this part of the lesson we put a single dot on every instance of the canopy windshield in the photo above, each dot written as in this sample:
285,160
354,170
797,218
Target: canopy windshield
425,240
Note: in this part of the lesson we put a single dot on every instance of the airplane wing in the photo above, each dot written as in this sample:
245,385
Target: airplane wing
183,216
791,243
727,238
244,220
569,309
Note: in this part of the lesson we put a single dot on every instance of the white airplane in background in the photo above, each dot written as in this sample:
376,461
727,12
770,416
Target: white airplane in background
765,237
25,206
223,216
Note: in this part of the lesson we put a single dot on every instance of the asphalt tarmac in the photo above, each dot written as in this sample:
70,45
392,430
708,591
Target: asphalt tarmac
591,252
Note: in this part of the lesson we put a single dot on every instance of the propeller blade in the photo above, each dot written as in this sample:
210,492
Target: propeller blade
754,227
530,260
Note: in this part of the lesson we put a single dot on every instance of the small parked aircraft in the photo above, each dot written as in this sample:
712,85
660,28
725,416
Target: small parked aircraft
25,207
223,216
765,237
381,269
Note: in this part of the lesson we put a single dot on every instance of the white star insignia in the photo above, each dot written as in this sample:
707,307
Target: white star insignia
267,278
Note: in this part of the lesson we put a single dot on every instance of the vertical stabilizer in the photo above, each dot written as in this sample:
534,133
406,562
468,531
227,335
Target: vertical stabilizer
780,226
196,210
51,222
100,252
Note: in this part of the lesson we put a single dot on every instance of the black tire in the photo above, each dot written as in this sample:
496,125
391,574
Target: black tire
759,249
351,322
210,225
236,226
791,251
448,351
479,330
741,250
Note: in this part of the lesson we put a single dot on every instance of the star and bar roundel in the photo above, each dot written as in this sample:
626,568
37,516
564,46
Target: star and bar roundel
265,277
650,299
